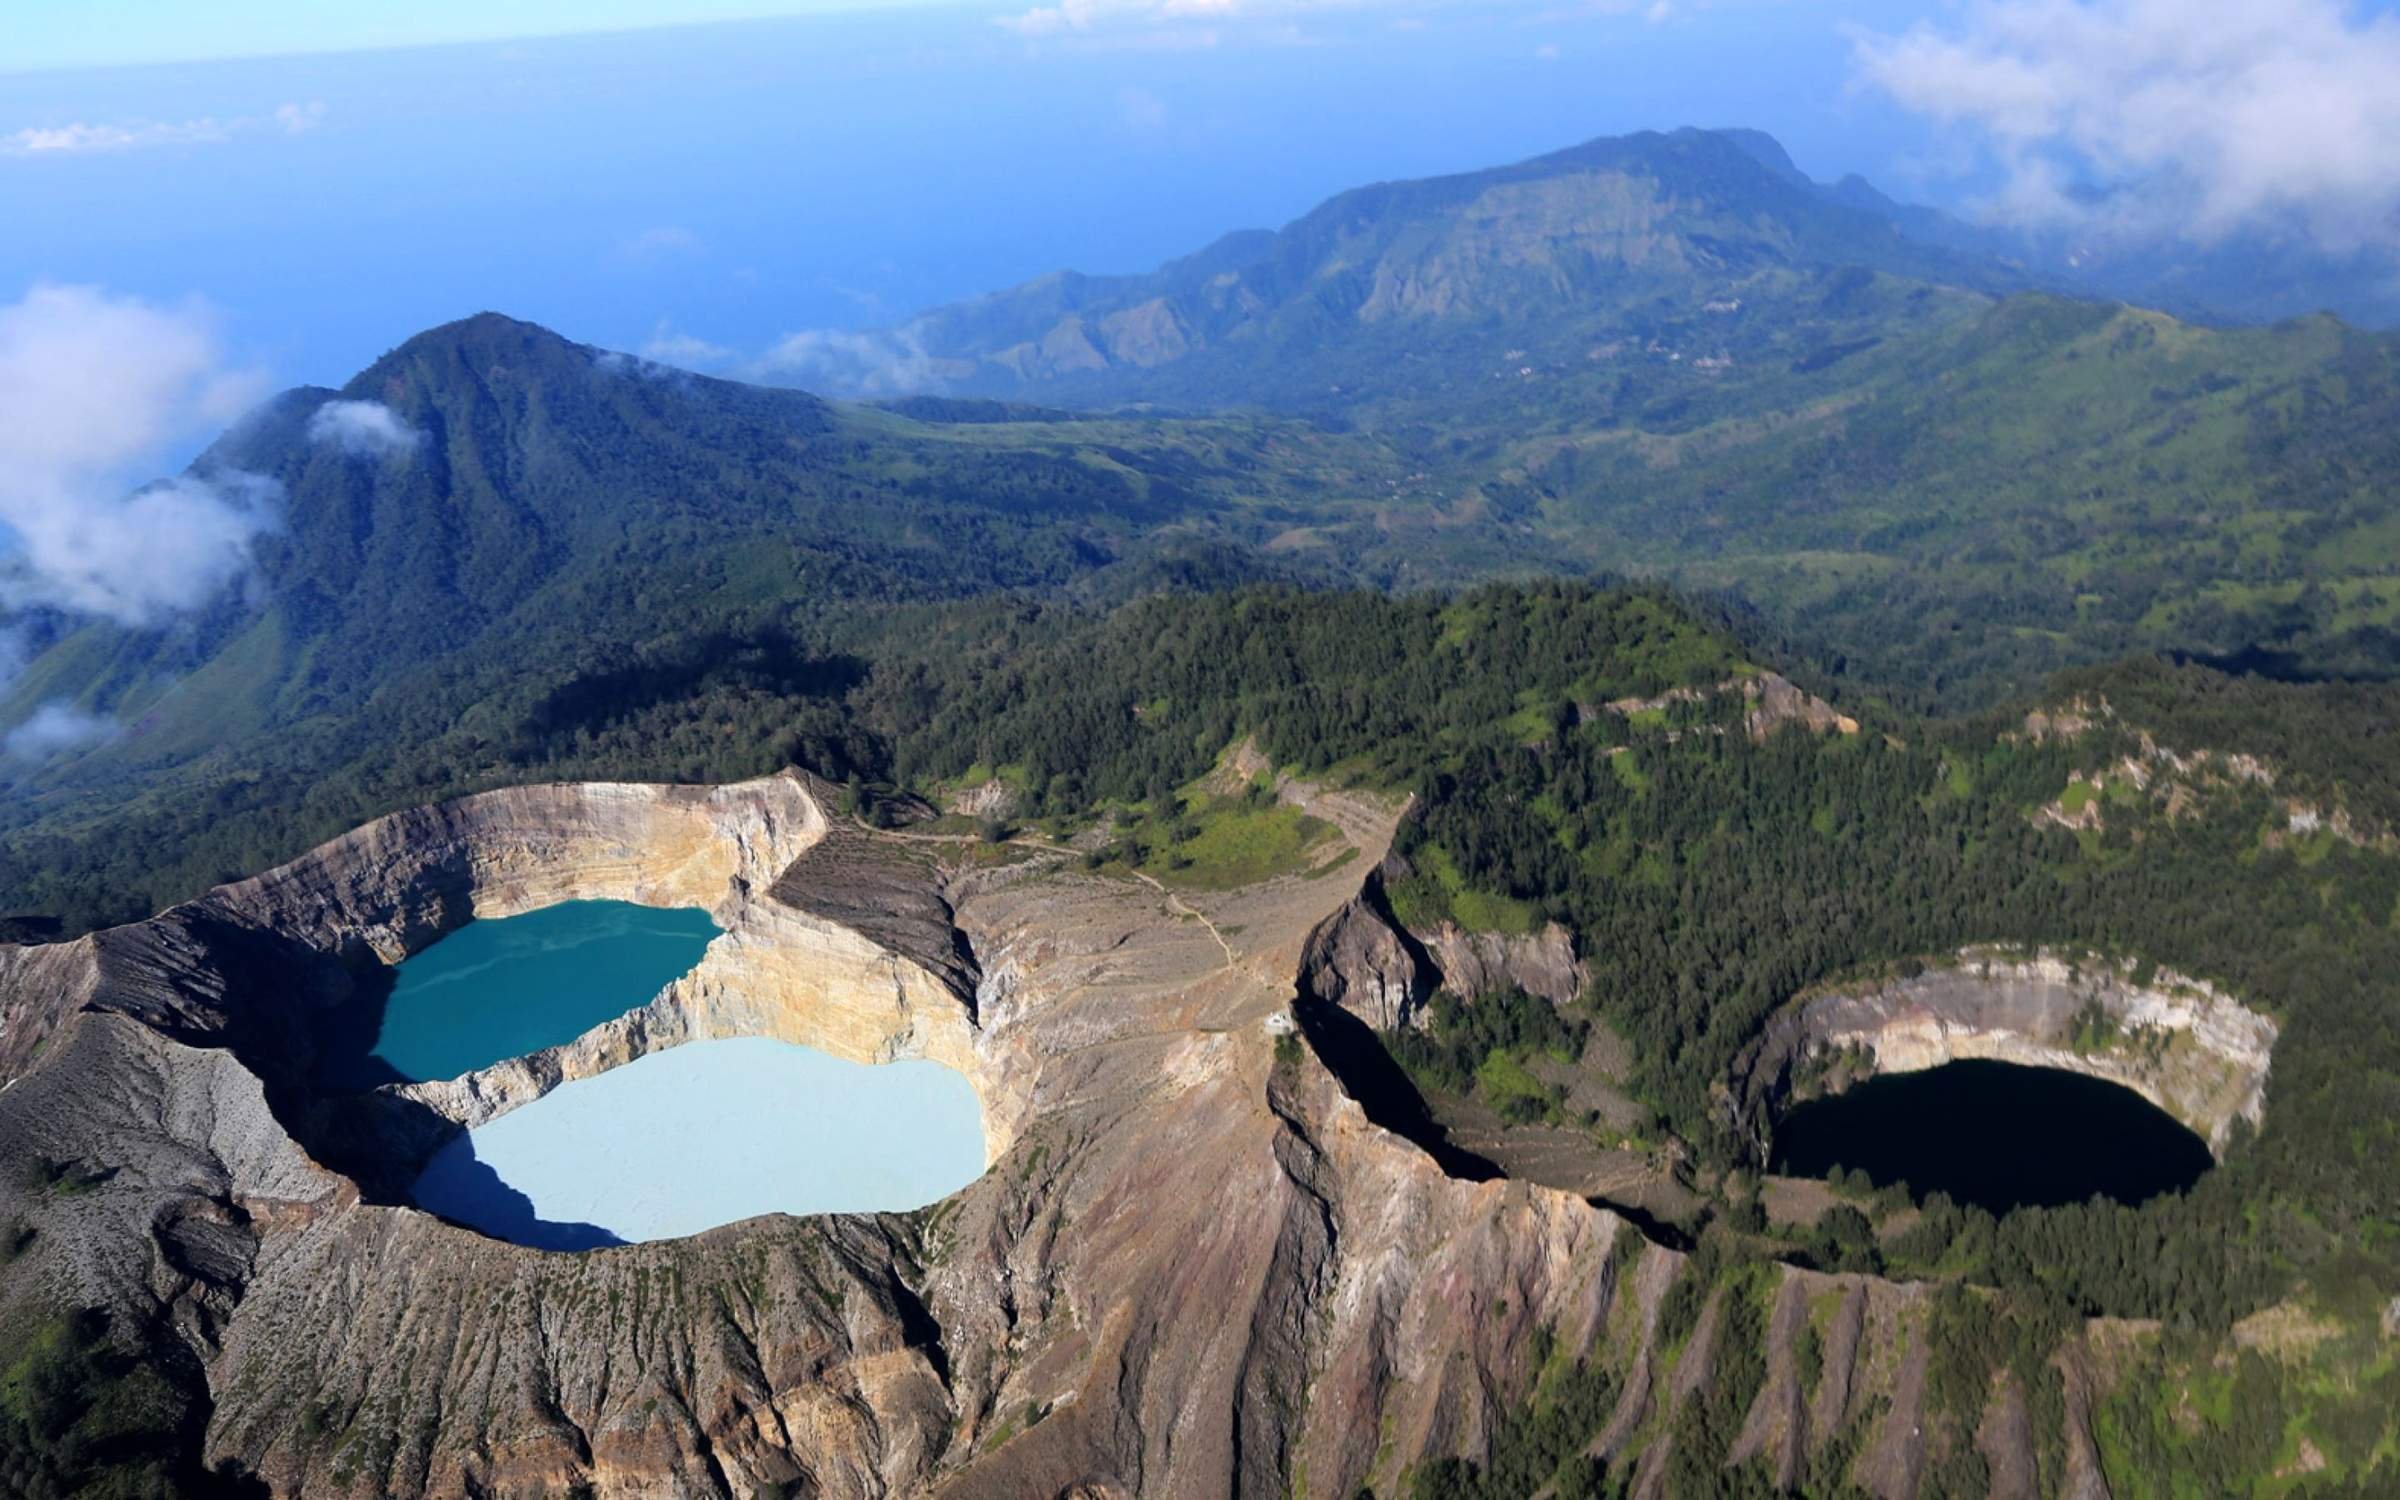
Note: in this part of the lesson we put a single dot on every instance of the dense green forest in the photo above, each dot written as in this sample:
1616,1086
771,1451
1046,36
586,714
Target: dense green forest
1977,494
894,693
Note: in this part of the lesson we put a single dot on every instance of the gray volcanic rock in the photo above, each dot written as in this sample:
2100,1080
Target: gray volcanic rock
1363,963
887,892
1477,963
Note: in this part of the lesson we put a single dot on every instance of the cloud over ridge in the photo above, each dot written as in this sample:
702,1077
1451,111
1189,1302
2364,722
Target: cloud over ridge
362,429
54,729
891,363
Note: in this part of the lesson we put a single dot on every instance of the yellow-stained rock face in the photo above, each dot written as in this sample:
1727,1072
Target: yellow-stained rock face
776,971
399,882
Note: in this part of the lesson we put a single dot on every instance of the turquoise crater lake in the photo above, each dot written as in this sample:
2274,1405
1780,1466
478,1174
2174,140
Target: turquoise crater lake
504,987
709,1133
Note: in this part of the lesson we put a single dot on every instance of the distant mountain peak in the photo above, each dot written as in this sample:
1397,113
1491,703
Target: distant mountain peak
1764,149
483,336
1597,237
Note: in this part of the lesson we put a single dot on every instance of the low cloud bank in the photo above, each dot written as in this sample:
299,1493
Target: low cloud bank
55,729
843,362
670,346
85,137
98,389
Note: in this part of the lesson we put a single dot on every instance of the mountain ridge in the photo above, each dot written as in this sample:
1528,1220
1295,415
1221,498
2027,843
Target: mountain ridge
1650,210
1103,339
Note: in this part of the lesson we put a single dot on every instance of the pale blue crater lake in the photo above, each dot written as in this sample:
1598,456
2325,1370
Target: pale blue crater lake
504,987
709,1133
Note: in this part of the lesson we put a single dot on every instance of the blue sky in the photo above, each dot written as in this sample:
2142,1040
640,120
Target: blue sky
46,34
733,183
712,188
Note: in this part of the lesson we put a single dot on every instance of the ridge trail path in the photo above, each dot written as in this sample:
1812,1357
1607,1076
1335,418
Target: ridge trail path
1175,903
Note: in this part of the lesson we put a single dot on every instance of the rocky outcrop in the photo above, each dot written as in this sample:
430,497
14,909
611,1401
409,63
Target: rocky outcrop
1364,963
39,988
2193,1051
993,798
1381,971
1477,963
1773,701
2180,782
1776,701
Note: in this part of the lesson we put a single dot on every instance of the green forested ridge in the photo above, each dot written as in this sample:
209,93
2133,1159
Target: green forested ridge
1000,682
568,514
2330,743
1370,301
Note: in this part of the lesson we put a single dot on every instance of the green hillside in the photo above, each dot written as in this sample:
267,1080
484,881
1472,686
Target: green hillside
1388,293
567,512
1676,355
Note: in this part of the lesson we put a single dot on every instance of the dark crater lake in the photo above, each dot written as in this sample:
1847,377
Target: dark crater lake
1995,1135
503,987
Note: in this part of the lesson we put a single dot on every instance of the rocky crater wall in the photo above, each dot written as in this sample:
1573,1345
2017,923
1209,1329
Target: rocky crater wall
2195,1052
1198,1268
261,965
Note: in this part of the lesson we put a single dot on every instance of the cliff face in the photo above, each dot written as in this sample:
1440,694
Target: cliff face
1476,963
2196,1053
1194,1268
1363,962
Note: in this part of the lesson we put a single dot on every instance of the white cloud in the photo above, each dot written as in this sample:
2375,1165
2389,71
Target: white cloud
299,119
860,364
2194,118
669,346
55,728
95,390
363,429
84,137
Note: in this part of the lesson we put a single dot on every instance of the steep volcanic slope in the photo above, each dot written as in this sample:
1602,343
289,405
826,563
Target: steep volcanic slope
1195,1266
